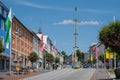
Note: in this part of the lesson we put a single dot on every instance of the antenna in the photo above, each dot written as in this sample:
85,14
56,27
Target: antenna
75,60
75,33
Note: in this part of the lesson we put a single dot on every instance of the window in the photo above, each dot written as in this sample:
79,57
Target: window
2,24
13,25
1,38
0,9
5,13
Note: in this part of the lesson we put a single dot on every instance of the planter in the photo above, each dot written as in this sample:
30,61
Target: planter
117,72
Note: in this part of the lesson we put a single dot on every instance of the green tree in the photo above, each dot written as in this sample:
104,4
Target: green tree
118,58
101,57
109,35
64,54
33,57
1,46
57,60
92,59
49,57
80,55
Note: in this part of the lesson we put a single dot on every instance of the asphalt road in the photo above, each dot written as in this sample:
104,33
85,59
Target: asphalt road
65,74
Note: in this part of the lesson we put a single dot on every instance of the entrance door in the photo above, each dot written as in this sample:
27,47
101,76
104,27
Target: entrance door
1,64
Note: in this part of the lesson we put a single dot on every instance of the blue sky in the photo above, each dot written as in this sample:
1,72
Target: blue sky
55,17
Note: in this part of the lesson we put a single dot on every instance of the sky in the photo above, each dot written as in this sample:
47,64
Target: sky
56,19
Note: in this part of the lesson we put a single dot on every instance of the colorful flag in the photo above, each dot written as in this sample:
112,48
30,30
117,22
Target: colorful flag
91,58
97,51
52,48
109,55
42,43
8,24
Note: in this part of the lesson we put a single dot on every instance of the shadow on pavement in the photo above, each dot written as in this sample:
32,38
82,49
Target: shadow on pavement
109,79
1,78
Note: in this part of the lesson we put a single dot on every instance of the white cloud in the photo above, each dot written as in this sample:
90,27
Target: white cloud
29,4
88,23
67,22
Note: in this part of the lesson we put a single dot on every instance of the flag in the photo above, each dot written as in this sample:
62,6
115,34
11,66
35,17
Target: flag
97,51
8,24
91,57
109,55
42,43
52,48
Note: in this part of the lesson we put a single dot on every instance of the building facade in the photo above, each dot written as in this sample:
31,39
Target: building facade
4,56
86,57
36,48
22,42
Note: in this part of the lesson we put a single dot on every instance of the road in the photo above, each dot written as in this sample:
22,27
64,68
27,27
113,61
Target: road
65,74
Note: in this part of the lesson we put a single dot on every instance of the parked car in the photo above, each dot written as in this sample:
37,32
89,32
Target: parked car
85,65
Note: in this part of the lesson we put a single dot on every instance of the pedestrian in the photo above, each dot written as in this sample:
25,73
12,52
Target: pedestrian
53,66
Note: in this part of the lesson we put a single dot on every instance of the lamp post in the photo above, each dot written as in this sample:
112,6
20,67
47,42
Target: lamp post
114,52
114,60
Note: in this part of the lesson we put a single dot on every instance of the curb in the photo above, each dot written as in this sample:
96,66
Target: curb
93,75
110,74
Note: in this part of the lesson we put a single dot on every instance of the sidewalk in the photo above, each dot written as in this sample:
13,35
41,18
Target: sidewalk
6,76
101,74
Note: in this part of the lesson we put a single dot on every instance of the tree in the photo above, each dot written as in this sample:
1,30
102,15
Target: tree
64,54
80,55
57,60
33,57
49,57
101,57
1,46
109,35
92,59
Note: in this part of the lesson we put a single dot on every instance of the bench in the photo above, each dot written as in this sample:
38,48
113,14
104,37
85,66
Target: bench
20,70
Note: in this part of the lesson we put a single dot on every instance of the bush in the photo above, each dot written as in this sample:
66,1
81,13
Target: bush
76,67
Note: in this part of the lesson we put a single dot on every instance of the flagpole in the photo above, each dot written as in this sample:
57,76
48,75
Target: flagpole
10,44
10,51
97,56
